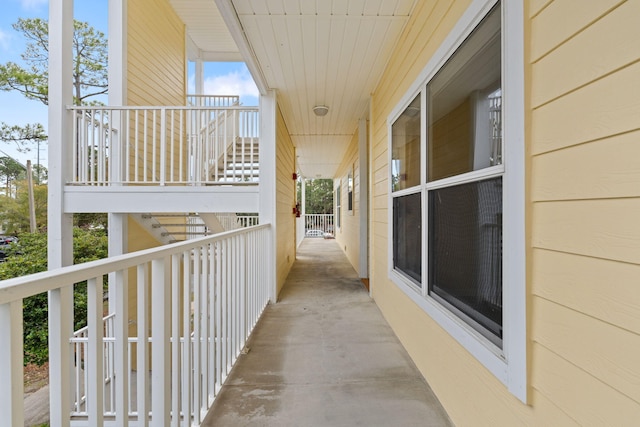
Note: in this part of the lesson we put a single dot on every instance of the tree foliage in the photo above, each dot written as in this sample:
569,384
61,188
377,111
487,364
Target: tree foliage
89,67
10,171
14,212
318,196
21,135
29,256
32,76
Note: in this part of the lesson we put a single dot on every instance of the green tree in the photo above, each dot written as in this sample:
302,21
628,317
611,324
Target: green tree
89,68
10,171
29,256
14,212
318,196
31,78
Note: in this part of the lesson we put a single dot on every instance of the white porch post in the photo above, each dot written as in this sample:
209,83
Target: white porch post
303,192
267,197
199,78
363,160
60,224
11,370
118,223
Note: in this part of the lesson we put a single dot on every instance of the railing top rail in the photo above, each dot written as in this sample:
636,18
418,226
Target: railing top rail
159,107
33,284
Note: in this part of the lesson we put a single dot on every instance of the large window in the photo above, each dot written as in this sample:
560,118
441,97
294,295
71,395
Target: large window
448,185
465,212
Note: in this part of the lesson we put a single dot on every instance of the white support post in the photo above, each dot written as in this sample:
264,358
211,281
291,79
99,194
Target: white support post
267,197
60,230
11,356
142,354
94,361
117,69
118,304
363,165
118,223
303,202
161,343
199,81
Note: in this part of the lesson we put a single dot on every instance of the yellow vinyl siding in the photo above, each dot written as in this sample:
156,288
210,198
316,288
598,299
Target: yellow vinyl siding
583,196
348,235
585,319
156,54
588,55
583,283
569,334
156,71
597,170
285,197
562,19
603,108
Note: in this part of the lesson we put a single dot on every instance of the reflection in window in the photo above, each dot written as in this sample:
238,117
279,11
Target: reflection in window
405,141
464,106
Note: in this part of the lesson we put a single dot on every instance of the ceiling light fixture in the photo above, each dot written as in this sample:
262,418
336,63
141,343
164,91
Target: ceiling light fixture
320,110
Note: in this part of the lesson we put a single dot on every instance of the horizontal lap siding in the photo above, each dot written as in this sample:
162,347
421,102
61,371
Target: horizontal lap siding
285,197
348,235
155,67
585,193
156,54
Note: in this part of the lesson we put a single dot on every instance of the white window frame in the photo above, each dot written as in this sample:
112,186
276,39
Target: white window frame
509,363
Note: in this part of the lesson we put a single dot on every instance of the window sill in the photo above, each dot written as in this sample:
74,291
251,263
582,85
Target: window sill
486,352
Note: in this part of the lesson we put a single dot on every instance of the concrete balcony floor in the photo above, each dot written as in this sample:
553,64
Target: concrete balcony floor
325,356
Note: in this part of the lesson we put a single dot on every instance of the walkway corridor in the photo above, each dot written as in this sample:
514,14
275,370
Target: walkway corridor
325,356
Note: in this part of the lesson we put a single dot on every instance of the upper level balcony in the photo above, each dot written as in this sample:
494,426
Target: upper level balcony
142,150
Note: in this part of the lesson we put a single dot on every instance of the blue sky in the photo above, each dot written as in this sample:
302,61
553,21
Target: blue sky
220,78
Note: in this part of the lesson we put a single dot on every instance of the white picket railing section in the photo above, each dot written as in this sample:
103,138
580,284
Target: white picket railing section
232,221
322,222
165,145
213,100
207,292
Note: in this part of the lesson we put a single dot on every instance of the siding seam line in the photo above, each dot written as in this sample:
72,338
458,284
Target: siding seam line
580,30
590,82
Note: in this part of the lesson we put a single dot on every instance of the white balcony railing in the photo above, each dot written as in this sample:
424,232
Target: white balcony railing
165,145
232,221
207,292
321,222
213,100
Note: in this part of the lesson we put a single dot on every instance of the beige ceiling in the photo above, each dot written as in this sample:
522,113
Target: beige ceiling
313,52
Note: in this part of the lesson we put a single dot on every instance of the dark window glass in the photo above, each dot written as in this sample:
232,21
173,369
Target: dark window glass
465,250
407,232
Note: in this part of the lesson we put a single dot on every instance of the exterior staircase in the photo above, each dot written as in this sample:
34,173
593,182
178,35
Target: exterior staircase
240,162
176,227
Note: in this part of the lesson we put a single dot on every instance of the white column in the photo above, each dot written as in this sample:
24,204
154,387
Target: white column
118,223
11,370
117,97
267,196
161,343
363,164
303,196
59,223
199,78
